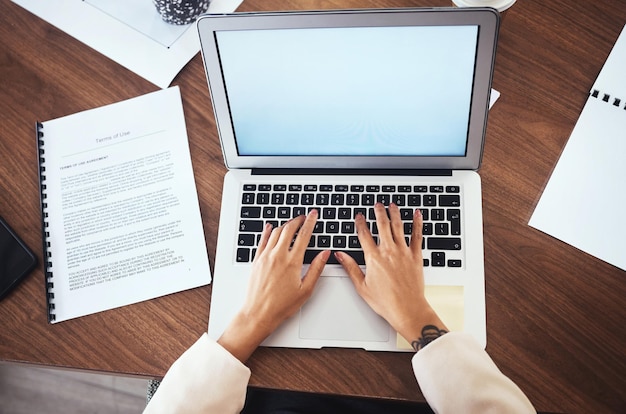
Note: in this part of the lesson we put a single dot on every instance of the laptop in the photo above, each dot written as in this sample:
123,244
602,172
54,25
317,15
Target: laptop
338,110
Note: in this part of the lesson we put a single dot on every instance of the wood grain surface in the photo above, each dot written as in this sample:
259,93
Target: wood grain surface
555,316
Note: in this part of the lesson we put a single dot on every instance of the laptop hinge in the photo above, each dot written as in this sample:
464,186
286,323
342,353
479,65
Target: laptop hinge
349,171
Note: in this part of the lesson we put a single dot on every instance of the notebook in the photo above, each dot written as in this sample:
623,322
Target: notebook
337,110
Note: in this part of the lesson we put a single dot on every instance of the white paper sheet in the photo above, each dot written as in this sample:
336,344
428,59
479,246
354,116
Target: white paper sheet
131,32
584,202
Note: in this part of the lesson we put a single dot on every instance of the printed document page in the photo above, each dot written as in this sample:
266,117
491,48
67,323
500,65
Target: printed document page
122,209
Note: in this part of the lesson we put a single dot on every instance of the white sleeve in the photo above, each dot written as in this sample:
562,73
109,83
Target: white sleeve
205,379
456,375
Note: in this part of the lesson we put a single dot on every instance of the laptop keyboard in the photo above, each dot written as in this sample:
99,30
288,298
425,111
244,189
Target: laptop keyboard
338,205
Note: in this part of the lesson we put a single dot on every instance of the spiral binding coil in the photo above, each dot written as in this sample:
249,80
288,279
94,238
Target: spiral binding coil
46,235
605,97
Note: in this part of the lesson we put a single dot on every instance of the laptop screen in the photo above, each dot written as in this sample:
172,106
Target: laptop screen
350,91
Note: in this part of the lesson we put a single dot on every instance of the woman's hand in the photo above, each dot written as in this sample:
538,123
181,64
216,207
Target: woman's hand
394,283
276,289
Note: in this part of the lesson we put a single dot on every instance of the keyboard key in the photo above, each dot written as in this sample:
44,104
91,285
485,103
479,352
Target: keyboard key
352,199
357,188
298,211
340,242
344,213
399,199
430,200
254,226
307,199
280,187
437,214
247,198
284,212
329,213
372,188
415,200
263,198
441,229
269,212
249,187
243,255
436,188
310,187
452,189
322,199
427,229
359,210
323,241
449,200
265,187
443,243
406,214
332,227
353,242
404,188
326,187
384,199
278,198
389,188
341,188
337,199
292,199
454,217
454,263
438,259
367,199
250,212
347,227
357,255
420,189
295,187
246,239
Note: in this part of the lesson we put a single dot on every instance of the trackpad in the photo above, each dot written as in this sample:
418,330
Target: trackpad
337,312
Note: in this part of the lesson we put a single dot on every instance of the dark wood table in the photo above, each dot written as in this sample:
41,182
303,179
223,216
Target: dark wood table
555,316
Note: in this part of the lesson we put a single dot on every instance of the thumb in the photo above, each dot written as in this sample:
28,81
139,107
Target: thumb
315,270
352,269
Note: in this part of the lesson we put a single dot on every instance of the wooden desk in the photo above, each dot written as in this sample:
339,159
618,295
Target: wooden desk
555,316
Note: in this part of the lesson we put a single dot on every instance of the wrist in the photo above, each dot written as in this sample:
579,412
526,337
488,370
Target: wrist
421,329
243,335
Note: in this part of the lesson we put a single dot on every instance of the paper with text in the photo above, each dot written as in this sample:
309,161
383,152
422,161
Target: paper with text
121,204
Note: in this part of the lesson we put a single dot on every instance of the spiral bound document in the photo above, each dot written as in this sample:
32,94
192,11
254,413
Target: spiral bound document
591,173
120,215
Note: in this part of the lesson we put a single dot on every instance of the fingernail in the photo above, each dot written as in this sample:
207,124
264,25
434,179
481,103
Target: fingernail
339,256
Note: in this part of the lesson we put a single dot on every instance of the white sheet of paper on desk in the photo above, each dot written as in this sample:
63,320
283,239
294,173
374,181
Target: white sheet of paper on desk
584,201
130,32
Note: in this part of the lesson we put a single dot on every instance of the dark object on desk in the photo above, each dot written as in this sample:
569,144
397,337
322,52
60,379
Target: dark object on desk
181,11
16,259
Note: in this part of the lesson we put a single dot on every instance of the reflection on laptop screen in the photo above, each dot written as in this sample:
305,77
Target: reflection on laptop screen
363,91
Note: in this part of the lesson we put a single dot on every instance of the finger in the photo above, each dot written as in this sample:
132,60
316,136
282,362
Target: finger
289,231
274,237
352,269
416,232
382,221
364,234
305,232
265,235
397,227
315,271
